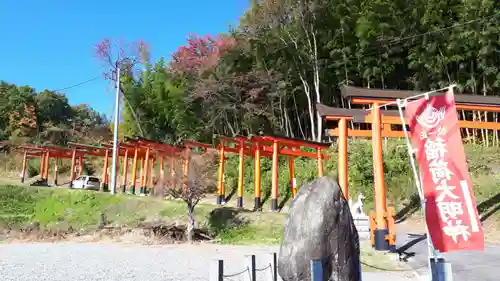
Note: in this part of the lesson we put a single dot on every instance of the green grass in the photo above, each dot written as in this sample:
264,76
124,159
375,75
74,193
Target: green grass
21,205
80,210
372,260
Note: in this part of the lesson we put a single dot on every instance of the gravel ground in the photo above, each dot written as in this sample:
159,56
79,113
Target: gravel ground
122,262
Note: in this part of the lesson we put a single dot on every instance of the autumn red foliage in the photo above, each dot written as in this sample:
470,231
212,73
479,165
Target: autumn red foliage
25,120
200,53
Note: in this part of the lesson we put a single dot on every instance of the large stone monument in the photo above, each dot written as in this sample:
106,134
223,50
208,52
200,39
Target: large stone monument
320,226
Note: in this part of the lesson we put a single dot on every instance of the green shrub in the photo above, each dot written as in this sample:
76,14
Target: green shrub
32,170
89,168
64,168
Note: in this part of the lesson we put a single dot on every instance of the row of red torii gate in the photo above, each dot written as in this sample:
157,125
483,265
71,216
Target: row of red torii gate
144,154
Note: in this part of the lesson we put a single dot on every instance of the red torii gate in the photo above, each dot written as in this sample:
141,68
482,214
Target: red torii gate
92,150
155,150
267,146
125,148
152,150
383,237
142,149
45,153
27,155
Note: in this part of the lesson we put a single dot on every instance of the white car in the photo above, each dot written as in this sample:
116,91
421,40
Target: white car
87,182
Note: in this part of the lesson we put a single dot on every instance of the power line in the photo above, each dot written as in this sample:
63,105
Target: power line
79,84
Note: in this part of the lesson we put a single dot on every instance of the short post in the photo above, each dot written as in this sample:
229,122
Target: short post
441,270
23,172
360,271
250,265
445,272
272,273
316,270
216,270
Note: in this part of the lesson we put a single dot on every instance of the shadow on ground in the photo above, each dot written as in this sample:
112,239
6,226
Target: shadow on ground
267,194
403,252
409,209
285,199
489,207
414,239
226,218
231,194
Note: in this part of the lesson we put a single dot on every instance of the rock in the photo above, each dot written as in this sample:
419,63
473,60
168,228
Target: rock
320,226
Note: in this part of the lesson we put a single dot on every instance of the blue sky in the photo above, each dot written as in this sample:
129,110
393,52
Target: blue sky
48,44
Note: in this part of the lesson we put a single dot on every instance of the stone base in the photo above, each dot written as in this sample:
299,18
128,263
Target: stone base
274,204
381,244
257,204
362,224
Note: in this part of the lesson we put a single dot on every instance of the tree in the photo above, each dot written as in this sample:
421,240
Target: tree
87,125
200,54
163,109
229,96
201,170
238,104
54,115
125,56
294,24
28,117
114,53
53,107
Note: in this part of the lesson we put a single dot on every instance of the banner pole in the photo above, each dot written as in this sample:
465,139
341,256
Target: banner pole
426,95
430,247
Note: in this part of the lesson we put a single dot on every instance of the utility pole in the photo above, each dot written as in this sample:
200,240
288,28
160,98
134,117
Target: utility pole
115,128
